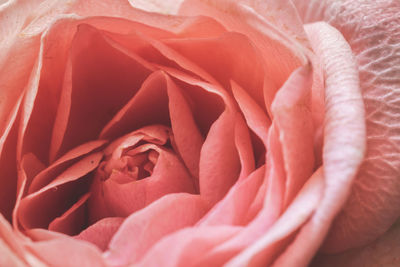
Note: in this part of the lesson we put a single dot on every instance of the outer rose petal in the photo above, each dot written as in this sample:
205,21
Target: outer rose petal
371,28
344,140
384,251
146,227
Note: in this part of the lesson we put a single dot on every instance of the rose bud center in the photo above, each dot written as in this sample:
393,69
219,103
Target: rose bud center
137,169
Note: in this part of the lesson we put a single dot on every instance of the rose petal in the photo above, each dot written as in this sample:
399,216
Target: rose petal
159,6
144,228
219,160
263,251
39,208
266,212
151,99
169,176
12,252
187,246
90,84
101,232
232,209
255,20
292,114
66,251
370,27
8,173
55,169
185,130
72,220
344,139
220,58
382,252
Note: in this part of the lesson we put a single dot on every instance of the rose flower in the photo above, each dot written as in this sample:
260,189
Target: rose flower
199,133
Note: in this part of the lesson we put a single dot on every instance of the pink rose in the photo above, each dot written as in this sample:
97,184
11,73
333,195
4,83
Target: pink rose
221,132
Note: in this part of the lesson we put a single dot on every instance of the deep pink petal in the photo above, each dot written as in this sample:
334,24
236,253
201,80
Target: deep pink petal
187,136
169,176
39,208
151,99
71,221
219,160
101,232
90,83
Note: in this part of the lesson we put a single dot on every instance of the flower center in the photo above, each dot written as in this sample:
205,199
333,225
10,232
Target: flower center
137,169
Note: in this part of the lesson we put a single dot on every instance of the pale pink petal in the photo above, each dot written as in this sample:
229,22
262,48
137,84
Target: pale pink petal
68,252
186,247
370,27
263,251
266,212
232,209
344,140
280,44
101,232
159,6
291,112
144,228
12,251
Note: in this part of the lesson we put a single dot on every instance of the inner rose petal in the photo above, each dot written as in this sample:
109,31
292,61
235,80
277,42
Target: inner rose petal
99,76
138,169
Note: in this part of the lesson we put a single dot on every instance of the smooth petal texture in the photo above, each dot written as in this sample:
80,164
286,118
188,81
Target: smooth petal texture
223,62
184,247
256,21
186,133
232,209
219,161
344,138
159,6
371,29
101,232
12,251
143,229
66,251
